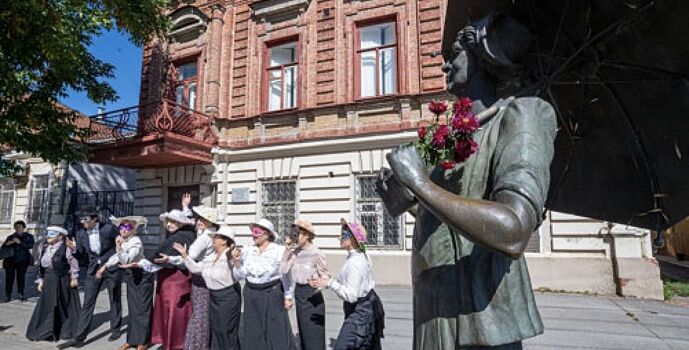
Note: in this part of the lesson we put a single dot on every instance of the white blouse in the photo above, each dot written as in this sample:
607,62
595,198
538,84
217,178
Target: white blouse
216,274
355,279
131,251
200,249
264,267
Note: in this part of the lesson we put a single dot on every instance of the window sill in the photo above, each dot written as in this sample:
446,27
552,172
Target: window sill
381,98
279,112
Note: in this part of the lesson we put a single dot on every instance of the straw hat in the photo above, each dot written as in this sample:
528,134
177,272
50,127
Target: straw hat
358,231
54,231
264,223
137,220
304,225
208,213
176,215
224,231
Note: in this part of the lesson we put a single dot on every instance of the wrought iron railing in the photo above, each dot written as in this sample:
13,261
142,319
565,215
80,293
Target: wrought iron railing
166,116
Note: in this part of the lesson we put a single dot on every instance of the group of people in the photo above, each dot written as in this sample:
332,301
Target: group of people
197,302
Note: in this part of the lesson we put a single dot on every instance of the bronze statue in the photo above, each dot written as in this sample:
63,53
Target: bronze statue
470,279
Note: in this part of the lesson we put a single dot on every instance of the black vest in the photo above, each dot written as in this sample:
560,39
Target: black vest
60,265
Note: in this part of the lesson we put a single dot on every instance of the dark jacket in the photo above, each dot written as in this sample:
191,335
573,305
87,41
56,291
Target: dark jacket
22,251
107,233
183,236
60,263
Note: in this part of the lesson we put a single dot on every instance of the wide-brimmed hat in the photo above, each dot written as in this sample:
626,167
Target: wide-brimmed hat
358,231
54,231
266,224
208,213
176,215
224,231
304,225
137,220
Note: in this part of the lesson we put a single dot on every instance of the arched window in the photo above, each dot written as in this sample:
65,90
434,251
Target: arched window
187,24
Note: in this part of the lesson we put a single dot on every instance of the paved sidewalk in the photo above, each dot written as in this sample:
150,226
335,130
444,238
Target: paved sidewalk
571,321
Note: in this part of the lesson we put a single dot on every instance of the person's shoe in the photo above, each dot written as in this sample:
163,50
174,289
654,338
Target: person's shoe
115,334
71,344
22,297
124,347
5,300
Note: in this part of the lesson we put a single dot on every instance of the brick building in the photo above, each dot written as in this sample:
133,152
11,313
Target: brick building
285,109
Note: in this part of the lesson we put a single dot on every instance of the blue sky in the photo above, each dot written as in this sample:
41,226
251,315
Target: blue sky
114,48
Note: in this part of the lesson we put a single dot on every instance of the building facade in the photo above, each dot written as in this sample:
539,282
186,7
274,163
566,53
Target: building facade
285,109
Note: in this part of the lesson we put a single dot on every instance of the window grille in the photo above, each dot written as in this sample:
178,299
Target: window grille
383,230
279,203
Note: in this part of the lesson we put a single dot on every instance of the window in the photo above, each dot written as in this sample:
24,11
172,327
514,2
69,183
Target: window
282,76
377,59
6,200
383,230
38,198
279,203
185,91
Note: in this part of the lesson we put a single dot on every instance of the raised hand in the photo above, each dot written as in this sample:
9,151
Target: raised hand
71,243
186,200
181,249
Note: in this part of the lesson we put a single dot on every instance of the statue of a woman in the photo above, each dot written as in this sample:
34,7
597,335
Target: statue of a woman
473,222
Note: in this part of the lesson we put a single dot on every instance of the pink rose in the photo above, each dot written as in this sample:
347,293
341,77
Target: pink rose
464,148
466,124
440,136
422,131
437,107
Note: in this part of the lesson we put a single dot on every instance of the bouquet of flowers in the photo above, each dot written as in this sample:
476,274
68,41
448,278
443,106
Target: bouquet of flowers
451,143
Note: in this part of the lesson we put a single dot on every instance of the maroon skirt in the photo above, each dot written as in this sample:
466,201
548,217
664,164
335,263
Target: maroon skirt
172,308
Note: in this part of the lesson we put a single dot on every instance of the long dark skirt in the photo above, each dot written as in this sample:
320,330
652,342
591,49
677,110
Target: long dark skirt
172,308
198,331
225,309
310,317
363,325
140,304
56,315
266,323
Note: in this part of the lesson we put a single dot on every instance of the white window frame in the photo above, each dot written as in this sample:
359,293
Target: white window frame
378,51
7,199
381,213
31,218
282,69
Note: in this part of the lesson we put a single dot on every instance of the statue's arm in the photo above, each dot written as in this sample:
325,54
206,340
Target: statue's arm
504,223
520,177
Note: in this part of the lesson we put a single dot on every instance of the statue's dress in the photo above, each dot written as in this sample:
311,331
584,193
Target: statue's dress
465,293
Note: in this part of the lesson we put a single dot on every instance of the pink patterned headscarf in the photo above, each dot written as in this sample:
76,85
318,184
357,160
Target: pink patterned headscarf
357,230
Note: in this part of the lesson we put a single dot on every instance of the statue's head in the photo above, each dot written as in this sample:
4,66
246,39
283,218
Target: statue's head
495,43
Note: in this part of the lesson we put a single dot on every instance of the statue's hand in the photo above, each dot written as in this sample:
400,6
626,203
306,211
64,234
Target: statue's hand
395,196
410,170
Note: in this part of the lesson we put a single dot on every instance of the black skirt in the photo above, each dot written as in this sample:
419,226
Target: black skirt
140,305
310,317
56,315
266,323
225,309
363,325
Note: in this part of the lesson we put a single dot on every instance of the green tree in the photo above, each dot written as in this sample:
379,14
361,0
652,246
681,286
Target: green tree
44,52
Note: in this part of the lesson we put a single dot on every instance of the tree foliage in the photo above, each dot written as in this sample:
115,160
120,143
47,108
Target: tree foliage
44,52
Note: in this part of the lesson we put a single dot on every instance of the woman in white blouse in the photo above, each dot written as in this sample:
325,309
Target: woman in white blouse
364,314
130,250
225,293
267,294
